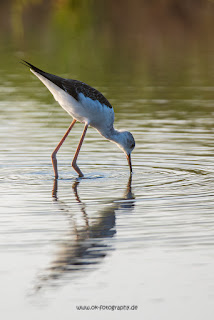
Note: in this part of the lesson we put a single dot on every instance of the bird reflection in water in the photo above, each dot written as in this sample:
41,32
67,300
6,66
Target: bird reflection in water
87,245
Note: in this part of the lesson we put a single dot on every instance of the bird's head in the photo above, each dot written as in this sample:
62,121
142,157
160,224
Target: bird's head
127,144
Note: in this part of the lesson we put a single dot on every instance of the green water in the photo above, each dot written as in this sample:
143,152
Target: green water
105,239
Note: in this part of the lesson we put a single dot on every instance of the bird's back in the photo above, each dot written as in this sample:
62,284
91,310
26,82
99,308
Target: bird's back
81,101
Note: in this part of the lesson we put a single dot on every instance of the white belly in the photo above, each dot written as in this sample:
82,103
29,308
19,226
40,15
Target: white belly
85,110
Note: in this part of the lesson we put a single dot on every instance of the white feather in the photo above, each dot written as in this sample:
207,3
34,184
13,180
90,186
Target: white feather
85,110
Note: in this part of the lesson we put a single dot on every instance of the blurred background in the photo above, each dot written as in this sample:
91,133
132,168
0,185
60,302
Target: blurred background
142,40
150,239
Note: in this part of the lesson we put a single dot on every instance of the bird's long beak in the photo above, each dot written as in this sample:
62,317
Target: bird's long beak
128,156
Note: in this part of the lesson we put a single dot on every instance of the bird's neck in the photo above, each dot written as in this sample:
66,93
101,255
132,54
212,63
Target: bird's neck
113,135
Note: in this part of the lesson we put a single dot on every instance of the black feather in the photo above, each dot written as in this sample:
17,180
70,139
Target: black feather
72,87
27,64
55,79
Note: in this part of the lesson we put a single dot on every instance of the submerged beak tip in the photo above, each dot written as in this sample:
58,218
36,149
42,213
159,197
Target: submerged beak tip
129,161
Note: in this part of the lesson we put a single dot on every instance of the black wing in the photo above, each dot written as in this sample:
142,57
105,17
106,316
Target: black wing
73,87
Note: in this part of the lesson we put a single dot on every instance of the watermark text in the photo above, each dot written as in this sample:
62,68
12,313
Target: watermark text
111,307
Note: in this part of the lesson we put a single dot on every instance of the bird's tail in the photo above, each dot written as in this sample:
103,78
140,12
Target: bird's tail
55,79
27,64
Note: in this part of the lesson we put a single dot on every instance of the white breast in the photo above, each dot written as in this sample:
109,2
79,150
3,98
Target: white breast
101,116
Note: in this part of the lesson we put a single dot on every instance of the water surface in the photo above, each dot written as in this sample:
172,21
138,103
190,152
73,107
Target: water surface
108,239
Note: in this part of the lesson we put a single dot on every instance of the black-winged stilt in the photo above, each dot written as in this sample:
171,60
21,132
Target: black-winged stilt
87,105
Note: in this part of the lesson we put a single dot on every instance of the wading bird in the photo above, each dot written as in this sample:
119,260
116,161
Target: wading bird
87,105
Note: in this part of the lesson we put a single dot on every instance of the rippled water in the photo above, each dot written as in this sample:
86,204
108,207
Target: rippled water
107,239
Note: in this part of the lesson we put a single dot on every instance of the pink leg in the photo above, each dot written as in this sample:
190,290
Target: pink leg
53,156
74,162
